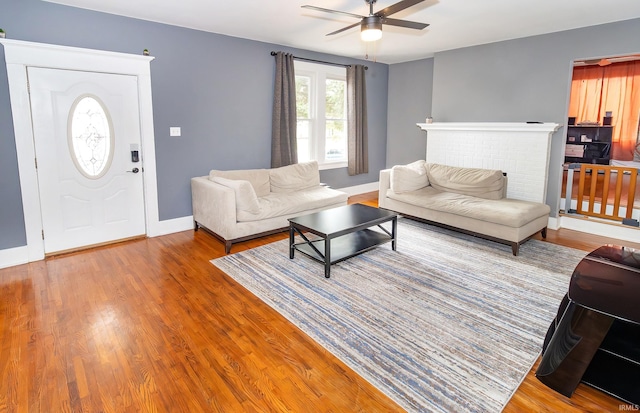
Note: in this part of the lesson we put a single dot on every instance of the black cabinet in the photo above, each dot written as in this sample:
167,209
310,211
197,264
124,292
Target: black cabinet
615,368
595,339
589,144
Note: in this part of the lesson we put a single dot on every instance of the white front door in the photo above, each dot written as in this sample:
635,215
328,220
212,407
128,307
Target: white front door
86,129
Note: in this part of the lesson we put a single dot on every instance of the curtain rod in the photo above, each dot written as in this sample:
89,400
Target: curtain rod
319,61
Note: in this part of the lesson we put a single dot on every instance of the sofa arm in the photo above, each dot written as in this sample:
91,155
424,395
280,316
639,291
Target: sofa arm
383,185
214,206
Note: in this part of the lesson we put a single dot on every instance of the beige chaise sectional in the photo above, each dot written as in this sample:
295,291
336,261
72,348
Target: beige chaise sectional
470,200
240,205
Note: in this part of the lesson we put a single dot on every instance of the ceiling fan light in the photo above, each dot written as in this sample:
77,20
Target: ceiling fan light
371,35
371,29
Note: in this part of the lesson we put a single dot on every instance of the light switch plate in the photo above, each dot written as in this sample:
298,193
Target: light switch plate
175,131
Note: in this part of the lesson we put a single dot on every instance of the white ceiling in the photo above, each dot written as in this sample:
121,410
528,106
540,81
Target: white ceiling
453,23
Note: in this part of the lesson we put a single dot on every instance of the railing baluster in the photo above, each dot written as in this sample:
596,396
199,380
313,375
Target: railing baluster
616,200
581,185
605,192
592,191
632,192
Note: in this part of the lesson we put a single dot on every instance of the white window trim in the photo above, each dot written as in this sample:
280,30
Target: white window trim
318,74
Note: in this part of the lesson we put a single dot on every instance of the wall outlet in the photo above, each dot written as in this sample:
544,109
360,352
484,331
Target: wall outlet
175,131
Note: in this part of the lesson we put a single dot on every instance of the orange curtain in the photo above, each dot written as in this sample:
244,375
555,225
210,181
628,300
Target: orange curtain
586,91
615,88
621,96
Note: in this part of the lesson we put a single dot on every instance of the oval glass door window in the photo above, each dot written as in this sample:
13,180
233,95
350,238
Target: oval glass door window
91,139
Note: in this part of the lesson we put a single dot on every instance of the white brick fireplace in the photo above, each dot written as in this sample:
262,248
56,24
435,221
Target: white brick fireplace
519,149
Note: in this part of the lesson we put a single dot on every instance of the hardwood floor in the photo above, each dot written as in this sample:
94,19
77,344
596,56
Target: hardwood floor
150,325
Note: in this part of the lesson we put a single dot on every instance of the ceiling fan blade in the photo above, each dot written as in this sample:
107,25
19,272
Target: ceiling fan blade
404,23
333,11
344,28
394,8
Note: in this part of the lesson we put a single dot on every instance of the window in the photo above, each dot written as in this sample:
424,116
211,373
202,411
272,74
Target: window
91,140
321,103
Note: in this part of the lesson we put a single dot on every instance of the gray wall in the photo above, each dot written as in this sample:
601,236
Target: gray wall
410,89
519,80
12,230
217,88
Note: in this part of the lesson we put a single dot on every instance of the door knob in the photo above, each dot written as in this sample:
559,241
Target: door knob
134,170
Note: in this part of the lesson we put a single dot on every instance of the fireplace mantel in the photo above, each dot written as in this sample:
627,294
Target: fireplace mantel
491,126
522,150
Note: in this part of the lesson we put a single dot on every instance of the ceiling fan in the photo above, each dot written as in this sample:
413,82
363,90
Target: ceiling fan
371,25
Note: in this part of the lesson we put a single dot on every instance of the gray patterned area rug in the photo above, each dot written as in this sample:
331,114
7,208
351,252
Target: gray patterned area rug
448,322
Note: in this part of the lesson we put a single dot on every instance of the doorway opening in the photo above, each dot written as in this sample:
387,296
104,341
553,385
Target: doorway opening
603,129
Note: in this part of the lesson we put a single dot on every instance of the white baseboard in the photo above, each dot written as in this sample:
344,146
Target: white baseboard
171,226
592,226
360,189
554,223
19,255
14,256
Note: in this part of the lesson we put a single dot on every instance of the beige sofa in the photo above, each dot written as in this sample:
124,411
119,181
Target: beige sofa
243,204
470,200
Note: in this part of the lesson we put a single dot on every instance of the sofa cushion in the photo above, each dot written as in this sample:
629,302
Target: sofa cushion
293,203
509,212
246,199
410,177
483,183
259,178
294,177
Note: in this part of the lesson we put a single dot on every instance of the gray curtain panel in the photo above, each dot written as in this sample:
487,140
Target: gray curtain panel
358,150
284,148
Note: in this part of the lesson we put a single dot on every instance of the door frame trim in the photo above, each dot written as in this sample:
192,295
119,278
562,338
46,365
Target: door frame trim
21,54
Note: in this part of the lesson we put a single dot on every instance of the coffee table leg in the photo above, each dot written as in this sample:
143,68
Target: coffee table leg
394,232
327,257
291,241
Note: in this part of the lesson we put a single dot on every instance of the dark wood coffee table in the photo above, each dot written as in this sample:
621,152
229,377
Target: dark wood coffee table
344,232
